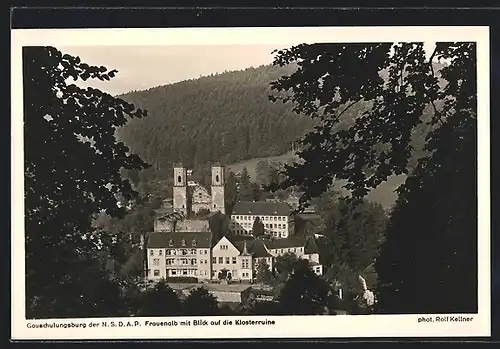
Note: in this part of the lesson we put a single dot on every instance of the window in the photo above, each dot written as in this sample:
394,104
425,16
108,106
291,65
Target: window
179,179
193,251
217,179
160,252
171,243
227,260
151,252
184,272
206,261
183,242
234,260
221,260
223,247
245,263
214,260
156,272
156,261
275,218
174,272
193,243
193,261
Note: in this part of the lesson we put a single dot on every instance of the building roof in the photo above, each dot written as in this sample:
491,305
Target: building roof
291,241
308,243
261,208
254,247
163,240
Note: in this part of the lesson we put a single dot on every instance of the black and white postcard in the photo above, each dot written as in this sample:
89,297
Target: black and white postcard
213,183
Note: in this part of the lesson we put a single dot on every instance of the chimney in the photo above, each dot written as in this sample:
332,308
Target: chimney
245,251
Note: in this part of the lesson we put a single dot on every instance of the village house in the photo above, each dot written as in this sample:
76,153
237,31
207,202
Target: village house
179,254
276,217
305,248
183,244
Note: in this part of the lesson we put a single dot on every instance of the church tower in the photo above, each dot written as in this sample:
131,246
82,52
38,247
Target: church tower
180,189
218,195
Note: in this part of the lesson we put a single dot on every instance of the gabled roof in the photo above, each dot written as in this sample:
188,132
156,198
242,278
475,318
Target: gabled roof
254,247
261,208
291,241
175,239
308,243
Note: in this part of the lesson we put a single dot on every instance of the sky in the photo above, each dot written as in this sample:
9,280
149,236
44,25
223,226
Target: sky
143,67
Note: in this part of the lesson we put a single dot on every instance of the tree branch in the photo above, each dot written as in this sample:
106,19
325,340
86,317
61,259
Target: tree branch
436,112
345,109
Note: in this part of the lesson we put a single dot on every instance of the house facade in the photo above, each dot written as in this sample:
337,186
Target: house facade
304,248
190,254
179,254
276,217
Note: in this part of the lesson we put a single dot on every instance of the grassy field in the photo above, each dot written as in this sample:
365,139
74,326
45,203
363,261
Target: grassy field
383,194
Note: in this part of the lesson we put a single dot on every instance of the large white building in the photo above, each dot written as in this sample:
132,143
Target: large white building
192,254
179,254
276,217
181,246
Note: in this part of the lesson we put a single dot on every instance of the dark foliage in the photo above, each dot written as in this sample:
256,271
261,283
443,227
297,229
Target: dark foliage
431,244
72,172
201,303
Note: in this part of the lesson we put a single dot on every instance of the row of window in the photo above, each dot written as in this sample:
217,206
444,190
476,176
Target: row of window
183,252
182,272
272,233
156,261
267,225
262,218
291,249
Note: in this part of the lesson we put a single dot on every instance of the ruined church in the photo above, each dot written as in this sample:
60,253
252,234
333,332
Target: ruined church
189,199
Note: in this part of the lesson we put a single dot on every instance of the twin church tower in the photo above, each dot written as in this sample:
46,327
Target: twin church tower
183,198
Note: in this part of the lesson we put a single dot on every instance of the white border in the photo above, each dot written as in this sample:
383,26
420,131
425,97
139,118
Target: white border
288,326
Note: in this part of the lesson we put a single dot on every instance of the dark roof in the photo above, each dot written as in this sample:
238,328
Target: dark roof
170,216
255,247
311,246
309,243
261,208
162,240
291,241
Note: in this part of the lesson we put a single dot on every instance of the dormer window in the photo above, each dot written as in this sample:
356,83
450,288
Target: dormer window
193,243
183,242
171,243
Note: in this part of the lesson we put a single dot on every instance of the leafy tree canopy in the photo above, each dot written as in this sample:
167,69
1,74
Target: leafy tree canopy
304,293
200,302
385,90
72,172
159,300
430,249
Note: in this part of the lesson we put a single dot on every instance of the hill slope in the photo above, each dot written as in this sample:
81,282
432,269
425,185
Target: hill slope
384,194
225,117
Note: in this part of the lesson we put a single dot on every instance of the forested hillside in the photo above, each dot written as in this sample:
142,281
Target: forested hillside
225,117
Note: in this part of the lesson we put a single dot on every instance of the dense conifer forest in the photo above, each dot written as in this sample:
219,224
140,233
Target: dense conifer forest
224,117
